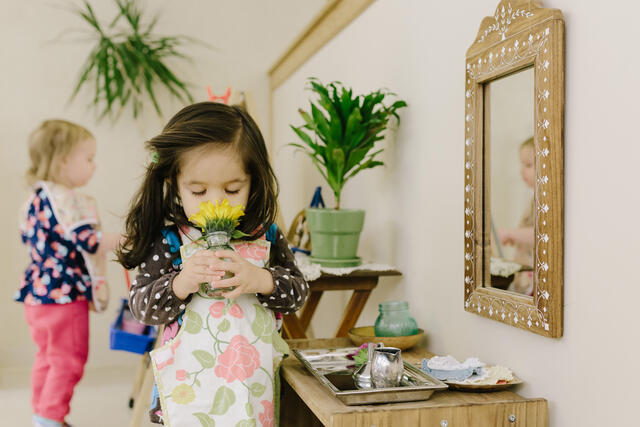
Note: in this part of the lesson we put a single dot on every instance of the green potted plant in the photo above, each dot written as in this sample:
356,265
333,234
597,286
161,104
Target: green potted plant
128,62
339,135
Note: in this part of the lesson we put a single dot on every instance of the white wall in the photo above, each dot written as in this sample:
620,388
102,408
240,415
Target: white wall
415,205
37,75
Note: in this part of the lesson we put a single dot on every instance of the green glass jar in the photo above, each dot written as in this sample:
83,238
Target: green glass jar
217,241
395,320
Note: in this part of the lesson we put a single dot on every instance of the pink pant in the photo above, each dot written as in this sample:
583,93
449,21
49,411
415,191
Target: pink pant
61,332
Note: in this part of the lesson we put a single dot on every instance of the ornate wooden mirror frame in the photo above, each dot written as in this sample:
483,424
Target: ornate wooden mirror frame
520,34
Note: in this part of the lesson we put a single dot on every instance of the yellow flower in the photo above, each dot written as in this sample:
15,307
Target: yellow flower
218,216
183,394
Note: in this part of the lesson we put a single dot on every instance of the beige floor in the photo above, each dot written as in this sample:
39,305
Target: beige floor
100,400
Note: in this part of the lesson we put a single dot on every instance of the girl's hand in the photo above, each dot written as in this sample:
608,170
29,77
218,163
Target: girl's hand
195,270
506,237
248,279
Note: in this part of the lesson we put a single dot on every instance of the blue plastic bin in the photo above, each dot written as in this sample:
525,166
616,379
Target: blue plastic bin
126,341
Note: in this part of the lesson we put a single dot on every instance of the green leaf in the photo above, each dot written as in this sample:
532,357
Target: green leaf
338,162
257,389
224,325
205,420
356,157
206,359
246,423
279,344
249,408
321,167
365,165
355,131
361,357
237,234
322,125
312,125
193,322
304,137
346,128
128,64
223,400
262,325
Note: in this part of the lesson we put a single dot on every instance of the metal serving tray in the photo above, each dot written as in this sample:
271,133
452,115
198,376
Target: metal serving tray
335,372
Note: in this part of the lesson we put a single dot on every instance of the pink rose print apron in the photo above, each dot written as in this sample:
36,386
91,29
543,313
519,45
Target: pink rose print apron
221,367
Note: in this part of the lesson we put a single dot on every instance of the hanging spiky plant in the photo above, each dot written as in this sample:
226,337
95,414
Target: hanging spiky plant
128,63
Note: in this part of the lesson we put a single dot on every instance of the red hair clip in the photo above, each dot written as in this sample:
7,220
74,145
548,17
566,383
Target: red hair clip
223,98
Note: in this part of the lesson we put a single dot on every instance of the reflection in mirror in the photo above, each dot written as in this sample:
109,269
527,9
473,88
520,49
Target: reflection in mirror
510,173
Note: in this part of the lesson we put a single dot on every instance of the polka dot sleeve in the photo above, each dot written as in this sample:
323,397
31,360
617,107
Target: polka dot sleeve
290,287
151,296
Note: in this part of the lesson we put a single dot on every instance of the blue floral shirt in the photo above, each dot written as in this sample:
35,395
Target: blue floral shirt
57,273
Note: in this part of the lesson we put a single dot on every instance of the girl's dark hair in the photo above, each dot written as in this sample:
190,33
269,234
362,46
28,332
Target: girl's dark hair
157,201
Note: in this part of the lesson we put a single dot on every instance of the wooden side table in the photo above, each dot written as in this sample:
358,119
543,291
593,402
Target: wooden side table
361,282
305,402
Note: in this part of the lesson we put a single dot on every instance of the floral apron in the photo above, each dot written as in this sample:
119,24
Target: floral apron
72,210
221,367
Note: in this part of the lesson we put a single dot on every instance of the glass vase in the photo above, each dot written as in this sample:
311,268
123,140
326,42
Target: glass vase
395,320
217,241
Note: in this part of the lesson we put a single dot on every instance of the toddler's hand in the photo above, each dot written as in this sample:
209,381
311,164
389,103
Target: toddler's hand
247,279
195,270
506,237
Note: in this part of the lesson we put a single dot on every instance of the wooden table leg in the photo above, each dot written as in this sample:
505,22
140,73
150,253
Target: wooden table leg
292,327
309,309
138,380
352,311
142,396
141,402
296,326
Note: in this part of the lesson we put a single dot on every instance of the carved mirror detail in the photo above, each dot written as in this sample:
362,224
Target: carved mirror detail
514,101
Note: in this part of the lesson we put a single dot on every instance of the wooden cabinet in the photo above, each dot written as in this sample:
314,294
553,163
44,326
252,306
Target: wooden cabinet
305,402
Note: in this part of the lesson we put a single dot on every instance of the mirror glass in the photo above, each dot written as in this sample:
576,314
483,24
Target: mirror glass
510,175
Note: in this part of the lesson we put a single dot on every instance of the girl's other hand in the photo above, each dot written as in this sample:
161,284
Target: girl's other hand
196,269
248,279
506,237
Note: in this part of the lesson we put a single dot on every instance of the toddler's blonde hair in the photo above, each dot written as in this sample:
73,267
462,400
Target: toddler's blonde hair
527,143
49,144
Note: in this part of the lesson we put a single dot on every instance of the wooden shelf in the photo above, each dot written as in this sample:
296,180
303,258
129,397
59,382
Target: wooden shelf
304,398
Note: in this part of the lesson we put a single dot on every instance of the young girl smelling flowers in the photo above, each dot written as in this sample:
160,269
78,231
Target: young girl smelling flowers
217,362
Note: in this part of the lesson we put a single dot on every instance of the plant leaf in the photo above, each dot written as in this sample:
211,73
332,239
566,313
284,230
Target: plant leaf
279,344
127,64
322,124
193,322
262,325
224,325
205,420
223,400
205,358
257,389
347,128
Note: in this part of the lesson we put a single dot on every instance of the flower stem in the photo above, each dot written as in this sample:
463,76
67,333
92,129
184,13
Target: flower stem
273,386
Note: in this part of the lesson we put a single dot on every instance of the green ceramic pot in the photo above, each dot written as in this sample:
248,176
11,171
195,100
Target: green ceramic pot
334,236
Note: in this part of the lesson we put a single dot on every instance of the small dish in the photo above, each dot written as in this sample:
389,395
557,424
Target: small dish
365,334
454,385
